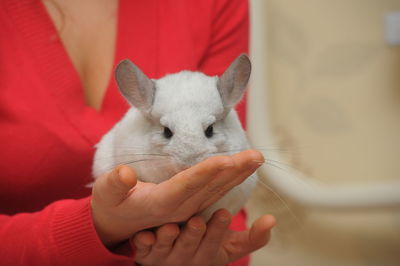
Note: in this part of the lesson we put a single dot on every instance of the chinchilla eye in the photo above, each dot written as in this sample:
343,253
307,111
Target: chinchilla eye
209,132
167,133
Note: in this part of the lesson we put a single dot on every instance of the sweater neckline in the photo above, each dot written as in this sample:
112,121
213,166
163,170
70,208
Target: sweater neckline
60,75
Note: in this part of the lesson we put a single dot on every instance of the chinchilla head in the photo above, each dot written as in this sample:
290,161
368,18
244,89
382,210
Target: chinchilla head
189,114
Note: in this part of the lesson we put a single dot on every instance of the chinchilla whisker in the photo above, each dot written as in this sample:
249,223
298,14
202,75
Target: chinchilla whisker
134,149
139,149
148,154
295,146
279,150
285,204
276,166
286,152
281,163
226,152
140,160
272,150
230,151
134,161
130,147
242,149
132,154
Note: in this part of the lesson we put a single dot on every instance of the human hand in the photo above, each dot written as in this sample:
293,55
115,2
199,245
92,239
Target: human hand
199,243
122,206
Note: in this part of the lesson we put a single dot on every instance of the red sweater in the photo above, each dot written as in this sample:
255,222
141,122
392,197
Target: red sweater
47,132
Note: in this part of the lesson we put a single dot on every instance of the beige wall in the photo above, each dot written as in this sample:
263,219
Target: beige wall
333,104
335,87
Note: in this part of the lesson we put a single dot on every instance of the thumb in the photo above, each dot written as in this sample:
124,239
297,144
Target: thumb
252,239
112,188
260,232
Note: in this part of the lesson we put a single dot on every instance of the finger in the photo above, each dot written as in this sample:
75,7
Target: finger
189,240
142,243
217,227
186,183
165,237
113,187
246,163
242,243
260,232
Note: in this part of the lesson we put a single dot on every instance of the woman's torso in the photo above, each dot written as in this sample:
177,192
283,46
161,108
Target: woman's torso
55,105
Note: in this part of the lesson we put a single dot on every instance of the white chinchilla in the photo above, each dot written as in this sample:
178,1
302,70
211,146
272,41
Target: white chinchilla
175,122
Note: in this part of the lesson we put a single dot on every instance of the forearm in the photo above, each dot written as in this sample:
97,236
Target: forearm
61,234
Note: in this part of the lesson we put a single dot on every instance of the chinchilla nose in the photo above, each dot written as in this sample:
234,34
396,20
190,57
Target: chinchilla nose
189,157
190,151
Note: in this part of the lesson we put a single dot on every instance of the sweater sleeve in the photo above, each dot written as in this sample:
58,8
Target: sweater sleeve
229,38
61,234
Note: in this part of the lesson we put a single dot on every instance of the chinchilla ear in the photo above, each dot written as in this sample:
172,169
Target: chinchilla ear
135,86
232,84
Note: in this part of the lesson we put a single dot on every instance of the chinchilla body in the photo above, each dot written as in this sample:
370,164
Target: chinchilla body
176,122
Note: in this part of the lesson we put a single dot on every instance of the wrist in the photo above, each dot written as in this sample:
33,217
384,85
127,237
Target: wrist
108,232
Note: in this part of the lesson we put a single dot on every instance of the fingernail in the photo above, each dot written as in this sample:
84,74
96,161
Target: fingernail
195,224
223,219
257,162
194,228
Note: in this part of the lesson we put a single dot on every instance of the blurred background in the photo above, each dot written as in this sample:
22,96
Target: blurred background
324,107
